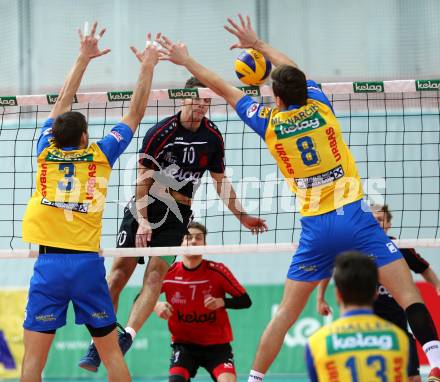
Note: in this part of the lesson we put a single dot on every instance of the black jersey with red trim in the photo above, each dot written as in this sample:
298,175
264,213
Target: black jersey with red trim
186,290
385,305
182,156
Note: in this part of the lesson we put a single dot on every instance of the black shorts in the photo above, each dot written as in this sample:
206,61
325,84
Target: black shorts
187,358
168,229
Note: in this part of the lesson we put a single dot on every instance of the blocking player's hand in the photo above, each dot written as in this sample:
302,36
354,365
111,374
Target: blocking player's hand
143,234
213,303
176,53
164,310
151,53
323,307
247,37
255,224
89,42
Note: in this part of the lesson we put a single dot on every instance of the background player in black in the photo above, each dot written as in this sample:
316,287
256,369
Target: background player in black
385,305
175,154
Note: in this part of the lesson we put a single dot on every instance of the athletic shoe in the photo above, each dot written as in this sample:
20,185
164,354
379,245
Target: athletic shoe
91,360
434,375
125,340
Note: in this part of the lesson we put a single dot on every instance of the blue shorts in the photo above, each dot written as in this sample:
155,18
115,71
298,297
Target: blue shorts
323,237
61,278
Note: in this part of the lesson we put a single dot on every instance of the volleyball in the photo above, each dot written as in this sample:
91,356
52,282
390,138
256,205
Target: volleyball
252,68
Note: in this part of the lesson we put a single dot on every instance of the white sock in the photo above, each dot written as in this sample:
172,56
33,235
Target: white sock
432,351
255,376
131,331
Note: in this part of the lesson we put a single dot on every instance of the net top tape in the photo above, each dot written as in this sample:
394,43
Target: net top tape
398,86
210,249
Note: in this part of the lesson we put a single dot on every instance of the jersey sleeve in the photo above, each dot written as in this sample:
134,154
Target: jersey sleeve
415,262
229,282
253,114
314,92
114,143
154,140
311,370
217,162
45,136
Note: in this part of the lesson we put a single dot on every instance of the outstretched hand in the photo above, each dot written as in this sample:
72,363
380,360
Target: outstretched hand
247,37
89,42
176,53
254,224
151,53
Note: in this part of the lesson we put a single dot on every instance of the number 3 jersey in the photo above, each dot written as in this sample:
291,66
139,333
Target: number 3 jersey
359,346
66,208
307,144
187,289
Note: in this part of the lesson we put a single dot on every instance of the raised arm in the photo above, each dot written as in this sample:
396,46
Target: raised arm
431,277
178,54
248,38
87,51
148,58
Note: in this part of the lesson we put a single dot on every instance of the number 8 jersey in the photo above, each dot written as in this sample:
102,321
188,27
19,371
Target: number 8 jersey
66,208
307,144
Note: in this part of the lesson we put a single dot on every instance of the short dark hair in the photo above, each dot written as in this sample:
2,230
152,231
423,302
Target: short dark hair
68,128
199,226
193,82
356,277
289,83
385,209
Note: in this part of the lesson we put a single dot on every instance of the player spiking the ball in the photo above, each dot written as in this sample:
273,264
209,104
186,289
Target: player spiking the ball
334,217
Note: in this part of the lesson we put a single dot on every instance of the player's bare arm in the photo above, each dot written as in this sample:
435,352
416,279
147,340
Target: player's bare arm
431,277
226,192
149,58
178,54
88,50
144,181
248,38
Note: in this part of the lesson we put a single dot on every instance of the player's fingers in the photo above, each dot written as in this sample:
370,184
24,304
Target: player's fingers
230,30
92,32
101,33
81,36
232,22
148,238
104,51
243,25
158,36
234,46
248,22
86,28
165,41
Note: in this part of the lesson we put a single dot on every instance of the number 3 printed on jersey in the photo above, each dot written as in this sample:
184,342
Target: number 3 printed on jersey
66,184
306,147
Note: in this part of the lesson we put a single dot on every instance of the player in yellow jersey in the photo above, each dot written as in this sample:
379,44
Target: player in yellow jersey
359,346
64,217
305,139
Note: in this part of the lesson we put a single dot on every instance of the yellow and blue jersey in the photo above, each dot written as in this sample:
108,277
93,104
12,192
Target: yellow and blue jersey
66,208
307,144
357,347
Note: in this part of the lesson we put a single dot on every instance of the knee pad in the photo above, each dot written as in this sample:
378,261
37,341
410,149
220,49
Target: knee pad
101,332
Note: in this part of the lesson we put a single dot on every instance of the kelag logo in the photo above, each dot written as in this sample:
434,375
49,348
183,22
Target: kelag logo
368,87
52,99
119,96
347,342
253,91
427,85
8,101
183,93
286,130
